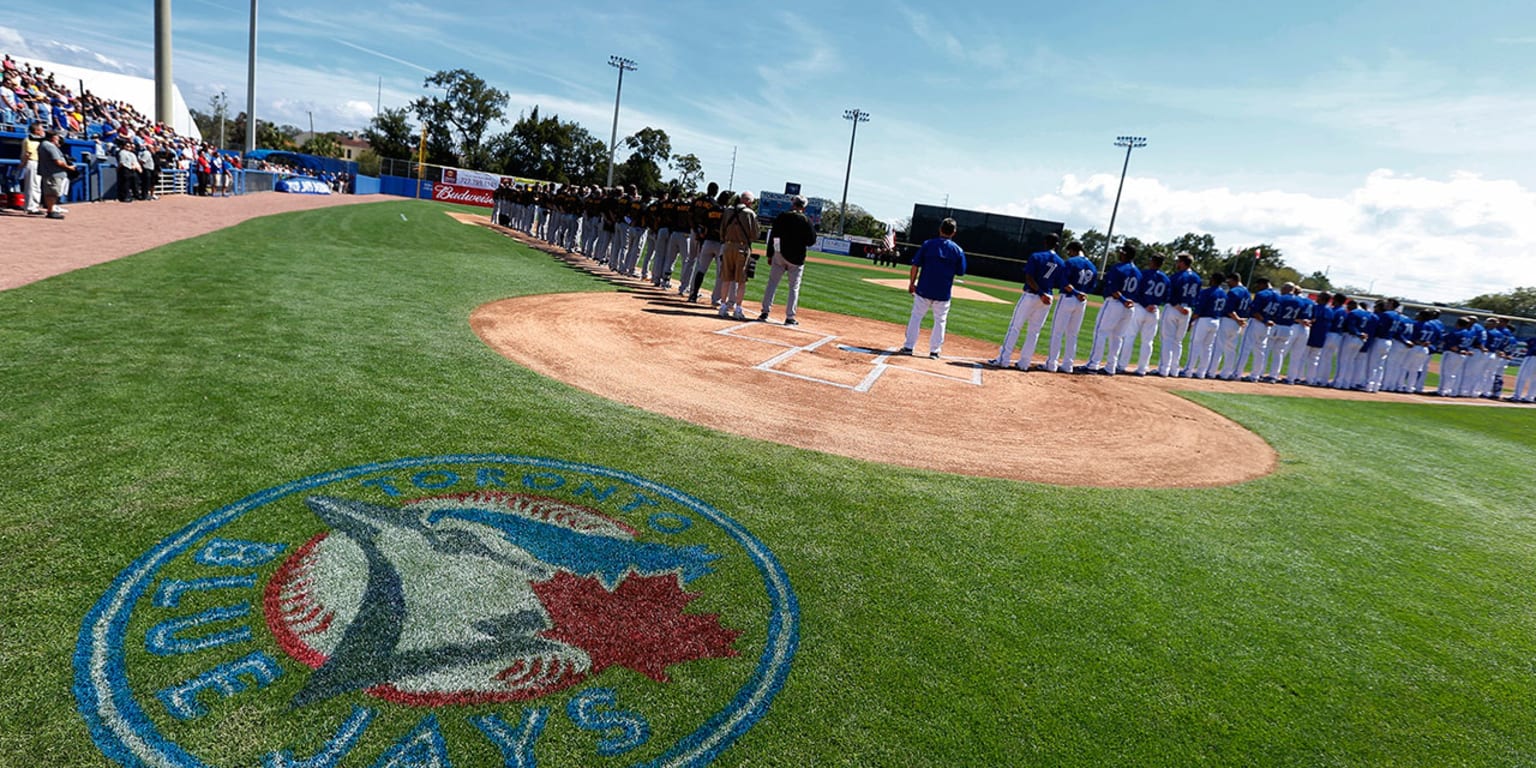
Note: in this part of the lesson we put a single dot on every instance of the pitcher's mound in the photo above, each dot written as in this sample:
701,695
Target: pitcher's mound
833,384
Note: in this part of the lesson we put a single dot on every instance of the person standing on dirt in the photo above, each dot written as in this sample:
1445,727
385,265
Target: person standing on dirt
54,167
31,182
128,171
931,284
738,230
709,218
792,234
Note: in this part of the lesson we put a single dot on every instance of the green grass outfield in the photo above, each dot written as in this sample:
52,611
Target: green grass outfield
1369,604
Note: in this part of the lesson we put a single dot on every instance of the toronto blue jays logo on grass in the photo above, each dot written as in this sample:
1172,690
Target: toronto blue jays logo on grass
453,610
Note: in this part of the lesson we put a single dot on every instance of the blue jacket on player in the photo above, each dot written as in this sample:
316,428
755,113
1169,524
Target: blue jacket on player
1287,309
1428,333
1046,270
1265,304
1388,324
1308,311
1500,340
1080,276
1240,301
1184,288
1154,288
1322,324
940,260
1211,302
1121,282
1459,340
1359,322
1336,325
1479,336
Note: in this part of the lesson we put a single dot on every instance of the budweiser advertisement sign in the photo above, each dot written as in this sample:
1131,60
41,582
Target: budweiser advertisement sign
454,193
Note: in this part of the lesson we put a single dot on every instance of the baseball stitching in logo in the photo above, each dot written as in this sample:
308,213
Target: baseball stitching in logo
424,610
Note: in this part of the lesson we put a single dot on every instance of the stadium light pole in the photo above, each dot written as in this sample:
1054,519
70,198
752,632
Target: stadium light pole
250,89
164,105
1130,143
857,116
622,64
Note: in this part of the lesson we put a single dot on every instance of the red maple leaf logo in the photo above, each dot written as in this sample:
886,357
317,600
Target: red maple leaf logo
640,624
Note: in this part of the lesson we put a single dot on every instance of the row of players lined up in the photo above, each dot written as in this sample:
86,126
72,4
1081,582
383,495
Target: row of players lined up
645,237
1232,333
1263,335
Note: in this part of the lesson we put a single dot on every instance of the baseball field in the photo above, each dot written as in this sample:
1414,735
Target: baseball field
360,486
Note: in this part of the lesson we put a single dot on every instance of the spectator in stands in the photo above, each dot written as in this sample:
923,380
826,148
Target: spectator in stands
55,168
165,159
9,105
128,172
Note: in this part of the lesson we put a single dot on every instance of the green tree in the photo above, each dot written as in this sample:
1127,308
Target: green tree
390,134
269,136
1520,302
368,163
1256,261
208,123
1204,257
461,116
858,222
1095,247
548,148
650,148
322,145
1317,281
690,172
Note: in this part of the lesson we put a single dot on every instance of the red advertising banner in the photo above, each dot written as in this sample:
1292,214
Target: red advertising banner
453,193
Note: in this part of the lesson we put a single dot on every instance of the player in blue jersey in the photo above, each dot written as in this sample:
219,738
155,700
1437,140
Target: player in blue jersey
1120,285
1151,295
1210,305
1287,322
938,262
1184,290
1255,343
1453,362
1069,309
1472,378
1044,272
1358,324
1328,367
1317,336
1239,311
1299,353
1500,342
1382,339
1397,359
1423,338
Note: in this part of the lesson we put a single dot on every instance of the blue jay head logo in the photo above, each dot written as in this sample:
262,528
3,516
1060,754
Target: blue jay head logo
425,610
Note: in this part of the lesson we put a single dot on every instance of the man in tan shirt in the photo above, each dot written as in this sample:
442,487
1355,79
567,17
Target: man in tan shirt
32,184
738,229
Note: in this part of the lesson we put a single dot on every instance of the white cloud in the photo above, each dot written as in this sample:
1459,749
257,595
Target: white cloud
13,43
1435,239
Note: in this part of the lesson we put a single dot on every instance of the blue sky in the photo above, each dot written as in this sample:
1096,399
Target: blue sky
1385,142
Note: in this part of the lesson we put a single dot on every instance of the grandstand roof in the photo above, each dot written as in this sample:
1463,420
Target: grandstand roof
137,91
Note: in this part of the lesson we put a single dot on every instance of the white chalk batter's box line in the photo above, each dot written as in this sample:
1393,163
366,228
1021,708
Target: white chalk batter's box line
880,366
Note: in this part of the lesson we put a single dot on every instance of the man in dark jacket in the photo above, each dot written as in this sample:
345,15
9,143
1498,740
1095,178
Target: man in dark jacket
792,234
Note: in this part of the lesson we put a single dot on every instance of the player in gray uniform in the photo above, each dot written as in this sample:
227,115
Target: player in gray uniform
696,213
